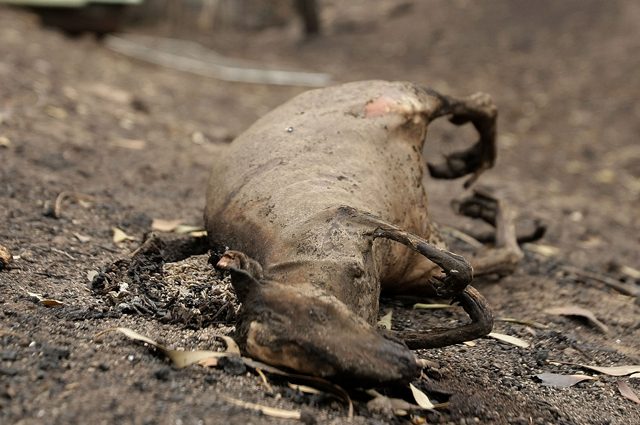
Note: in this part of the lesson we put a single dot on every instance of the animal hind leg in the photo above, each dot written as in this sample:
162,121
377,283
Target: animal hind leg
480,110
504,257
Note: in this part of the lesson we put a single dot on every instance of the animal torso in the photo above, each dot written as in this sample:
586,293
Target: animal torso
282,192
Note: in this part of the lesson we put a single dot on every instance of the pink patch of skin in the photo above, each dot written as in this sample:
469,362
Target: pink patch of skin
380,107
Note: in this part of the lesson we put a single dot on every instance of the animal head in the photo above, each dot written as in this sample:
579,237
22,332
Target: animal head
300,327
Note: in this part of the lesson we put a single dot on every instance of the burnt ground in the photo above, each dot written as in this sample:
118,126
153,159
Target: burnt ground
565,77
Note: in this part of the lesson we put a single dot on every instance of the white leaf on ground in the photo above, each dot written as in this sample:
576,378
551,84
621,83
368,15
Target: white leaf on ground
120,236
385,321
509,339
530,323
613,370
562,381
161,225
47,302
185,228
232,347
544,250
627,392
82,238
631,272
132,144
265,410
421,398
469,343
179,358
304,388
578,312
635,376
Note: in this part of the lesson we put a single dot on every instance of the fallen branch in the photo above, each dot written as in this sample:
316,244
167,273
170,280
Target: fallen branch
209,64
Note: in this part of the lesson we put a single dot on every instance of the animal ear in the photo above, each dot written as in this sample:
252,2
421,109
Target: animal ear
243,283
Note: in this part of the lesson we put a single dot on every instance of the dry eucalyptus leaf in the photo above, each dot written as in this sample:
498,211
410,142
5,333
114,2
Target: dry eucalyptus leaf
421,306
232,347
185,228
385,321
510,339
627,392
161,225
578,312
47,302
303,388
132,144
320,383
91,274
120,236
179,358
265,410
530,323
82,238
544,250
109,93
631,272
421,398
613,370
562,381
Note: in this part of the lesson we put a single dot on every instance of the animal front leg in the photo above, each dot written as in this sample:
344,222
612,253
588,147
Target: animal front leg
455,284
480,110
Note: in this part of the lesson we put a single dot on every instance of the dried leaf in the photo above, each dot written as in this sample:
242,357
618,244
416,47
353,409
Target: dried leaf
385,321
529,323
469,343
120,236
179,358
182,359
161,225
509,339
579,312
232,347
431,306
265,410
56,112
185,228
613,370
110,93
562,381
303,388
132,144
49,302
320,383
82,238
635,376
421,398
631,272
627,392
544,250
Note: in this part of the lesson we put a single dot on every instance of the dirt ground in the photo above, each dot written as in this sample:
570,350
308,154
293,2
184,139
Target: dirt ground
136,141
